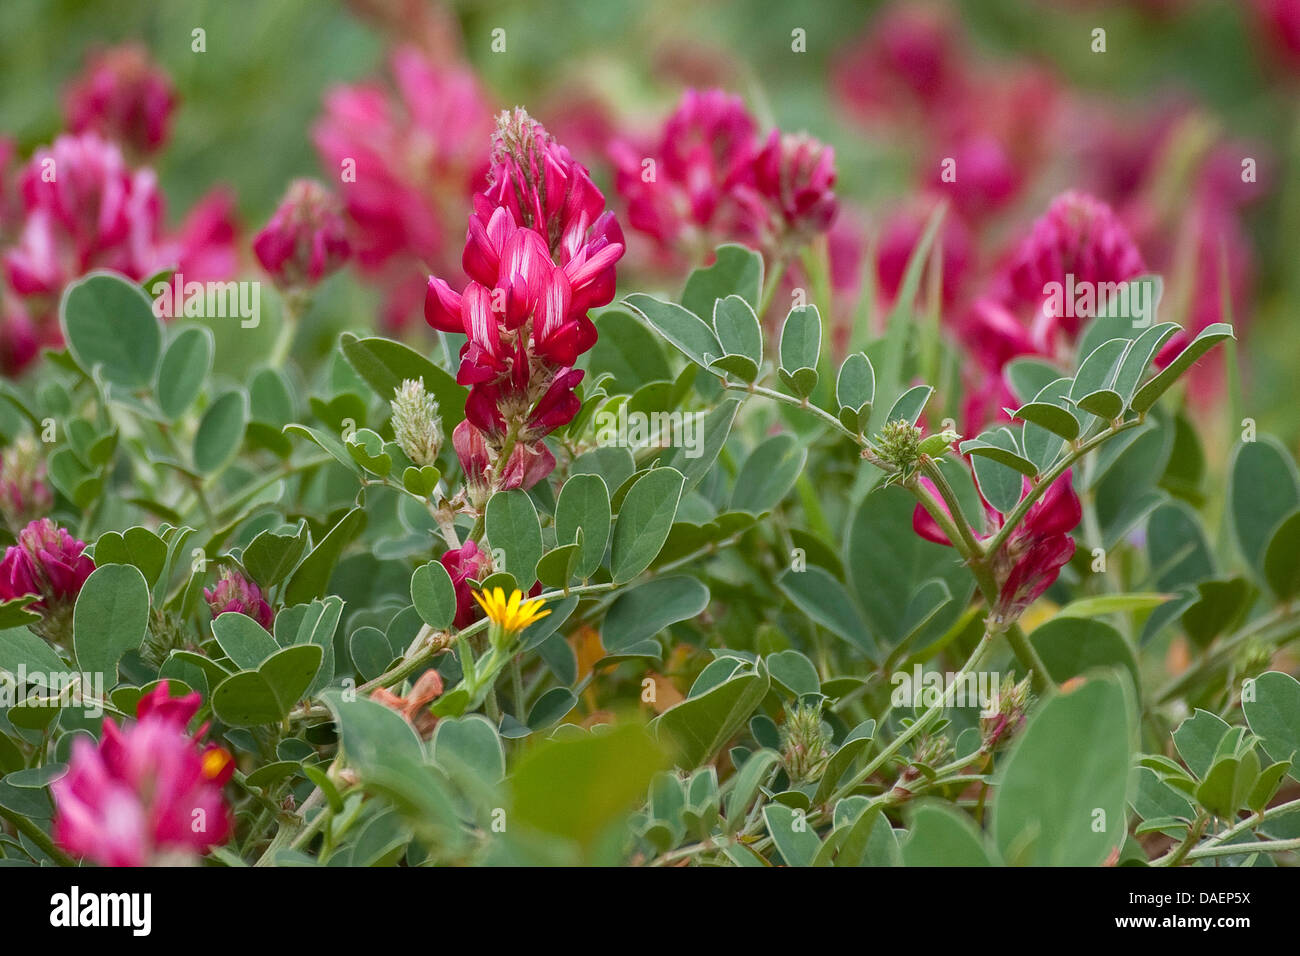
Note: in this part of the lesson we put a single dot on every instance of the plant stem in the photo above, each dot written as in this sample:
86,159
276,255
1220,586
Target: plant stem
37,836
1038,489
931,714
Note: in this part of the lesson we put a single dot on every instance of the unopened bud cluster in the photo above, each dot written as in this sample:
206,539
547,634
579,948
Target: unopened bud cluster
1006,714
416,425
804,740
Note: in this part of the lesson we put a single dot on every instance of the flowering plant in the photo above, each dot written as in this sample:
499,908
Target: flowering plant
696,523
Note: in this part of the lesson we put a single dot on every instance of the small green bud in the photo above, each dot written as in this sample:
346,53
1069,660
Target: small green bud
804,740
899,443
416,424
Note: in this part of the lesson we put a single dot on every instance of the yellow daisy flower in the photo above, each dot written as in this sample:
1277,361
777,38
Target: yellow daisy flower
512,615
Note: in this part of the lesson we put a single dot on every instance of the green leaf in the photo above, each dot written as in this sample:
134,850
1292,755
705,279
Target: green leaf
736,270
855,391
801,343
999,480
737,329
371,734
629,351
1176,545
1064,788
684,330
1282,559
854,745
644,520
1263,490
111,617
579,788
109,324
640,613
1197,738
583,505
1271,704
385,364
20,648
469,745
136,546
312,576
1139,355
1205,340
433,595
1000,450
14,613
270,557
185,367
700,726
887,562
265,695
794,673
244,640
1053,418
220,432
1098,605
514,530
938,835
769,473
910,404
1027,376
696,459
820,596
327,443
745,785
1070,646
270,399
1097,370
1105,403
370,652
793,835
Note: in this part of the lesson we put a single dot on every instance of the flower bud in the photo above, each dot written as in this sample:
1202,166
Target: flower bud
50,563
1005,715
804,740
416,424
24,494
234,592
124,96
305,241
899,443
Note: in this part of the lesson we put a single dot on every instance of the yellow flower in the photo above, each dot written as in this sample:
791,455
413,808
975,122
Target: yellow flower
513,615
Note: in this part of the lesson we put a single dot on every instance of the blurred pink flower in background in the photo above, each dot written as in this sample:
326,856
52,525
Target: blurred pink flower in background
123,96
408,158
145,794
683,187
84,208
24,489
306,239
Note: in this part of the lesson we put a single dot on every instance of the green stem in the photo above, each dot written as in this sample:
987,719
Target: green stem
931,470
931,714
37,836
1037,490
